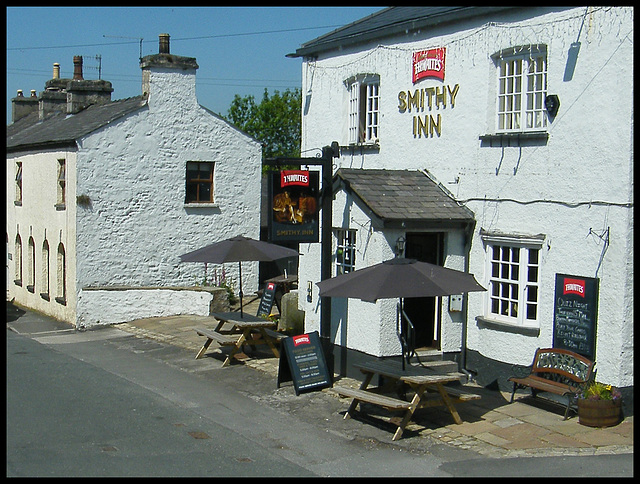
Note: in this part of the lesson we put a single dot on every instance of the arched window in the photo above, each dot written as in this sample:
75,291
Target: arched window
61,296
31,269
44,293
18,261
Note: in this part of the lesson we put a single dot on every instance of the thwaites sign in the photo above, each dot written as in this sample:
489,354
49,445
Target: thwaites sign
576,314
293,207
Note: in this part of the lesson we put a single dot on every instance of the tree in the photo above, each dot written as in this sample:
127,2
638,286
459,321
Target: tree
275,122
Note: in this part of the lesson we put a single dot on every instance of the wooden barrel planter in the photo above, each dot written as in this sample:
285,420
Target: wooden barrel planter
599,413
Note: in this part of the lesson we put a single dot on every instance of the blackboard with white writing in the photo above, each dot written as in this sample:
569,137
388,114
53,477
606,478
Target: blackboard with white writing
266,302
302,360
575,314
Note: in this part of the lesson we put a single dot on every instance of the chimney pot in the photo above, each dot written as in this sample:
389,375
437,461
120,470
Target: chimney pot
77,68
163,40
33,93
56,70
19,94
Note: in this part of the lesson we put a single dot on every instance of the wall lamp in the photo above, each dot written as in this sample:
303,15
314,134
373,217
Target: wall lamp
552,103
400,243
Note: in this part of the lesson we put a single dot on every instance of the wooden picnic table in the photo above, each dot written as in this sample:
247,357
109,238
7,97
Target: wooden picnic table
235,330
428,387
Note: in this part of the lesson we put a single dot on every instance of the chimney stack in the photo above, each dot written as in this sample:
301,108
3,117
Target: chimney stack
163,40
77,68
22,106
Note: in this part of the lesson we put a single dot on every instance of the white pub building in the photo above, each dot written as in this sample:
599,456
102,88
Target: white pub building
492,140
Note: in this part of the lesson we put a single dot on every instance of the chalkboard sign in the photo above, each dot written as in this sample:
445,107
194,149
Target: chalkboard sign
266,302
575,314
302,361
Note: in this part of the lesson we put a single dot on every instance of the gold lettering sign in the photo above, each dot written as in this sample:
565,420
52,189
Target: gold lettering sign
427,99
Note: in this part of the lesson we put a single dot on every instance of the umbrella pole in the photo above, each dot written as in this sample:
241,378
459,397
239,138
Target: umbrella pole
402,341
240,291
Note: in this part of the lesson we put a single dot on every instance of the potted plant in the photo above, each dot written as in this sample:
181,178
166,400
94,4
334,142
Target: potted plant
599,405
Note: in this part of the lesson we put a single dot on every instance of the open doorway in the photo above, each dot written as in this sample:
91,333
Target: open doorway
422,311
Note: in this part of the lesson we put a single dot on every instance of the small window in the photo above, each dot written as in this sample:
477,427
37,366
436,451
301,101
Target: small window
199,187
522,88
61,289
31,269
62,184
364,109
513,279
18,261
44,293
345,250
18,199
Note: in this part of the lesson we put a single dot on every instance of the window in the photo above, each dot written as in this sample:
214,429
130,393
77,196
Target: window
62,276
364,109
513,282
31,270
345,250
62,184
45,271
522,88
18,261
18,200
199,182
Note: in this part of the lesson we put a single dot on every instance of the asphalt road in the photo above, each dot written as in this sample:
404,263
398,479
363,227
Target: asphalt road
106,403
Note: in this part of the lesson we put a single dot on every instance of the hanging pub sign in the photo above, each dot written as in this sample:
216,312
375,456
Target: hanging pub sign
575,314
428,63
293,207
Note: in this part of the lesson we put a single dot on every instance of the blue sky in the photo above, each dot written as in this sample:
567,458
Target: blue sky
240,50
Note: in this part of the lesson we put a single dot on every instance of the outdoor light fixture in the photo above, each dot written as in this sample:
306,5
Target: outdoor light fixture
552,103
400,243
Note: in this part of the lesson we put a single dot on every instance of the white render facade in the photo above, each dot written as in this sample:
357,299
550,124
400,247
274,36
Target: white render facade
560,189
126,220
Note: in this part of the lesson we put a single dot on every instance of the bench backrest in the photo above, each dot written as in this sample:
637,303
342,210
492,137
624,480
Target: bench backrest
560,364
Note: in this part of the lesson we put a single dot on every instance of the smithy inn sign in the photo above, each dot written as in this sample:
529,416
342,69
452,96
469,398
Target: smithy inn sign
427,64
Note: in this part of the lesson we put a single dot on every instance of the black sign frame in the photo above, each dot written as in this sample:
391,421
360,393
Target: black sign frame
267,300
575,314
307,229
303,362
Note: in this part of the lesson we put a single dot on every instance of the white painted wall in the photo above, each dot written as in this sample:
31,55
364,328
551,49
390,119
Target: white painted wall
557,187
134,172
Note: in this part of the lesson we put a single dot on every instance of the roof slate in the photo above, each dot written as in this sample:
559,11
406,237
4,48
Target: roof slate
402,195
64,129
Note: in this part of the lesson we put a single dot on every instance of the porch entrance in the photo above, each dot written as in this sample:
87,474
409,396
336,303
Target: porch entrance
422,311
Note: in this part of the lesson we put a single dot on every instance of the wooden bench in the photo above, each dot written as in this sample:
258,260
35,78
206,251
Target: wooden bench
212,335
367,396
554,371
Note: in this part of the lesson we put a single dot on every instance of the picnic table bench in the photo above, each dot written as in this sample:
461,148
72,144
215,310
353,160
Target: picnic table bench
554,371
428,385
246,330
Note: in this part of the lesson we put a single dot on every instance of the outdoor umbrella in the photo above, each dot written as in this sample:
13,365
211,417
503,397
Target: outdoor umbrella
239,249
399,278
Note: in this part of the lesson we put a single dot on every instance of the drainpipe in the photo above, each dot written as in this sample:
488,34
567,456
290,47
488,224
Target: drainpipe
465,314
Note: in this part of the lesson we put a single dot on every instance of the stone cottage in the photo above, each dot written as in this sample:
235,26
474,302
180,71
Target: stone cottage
104,196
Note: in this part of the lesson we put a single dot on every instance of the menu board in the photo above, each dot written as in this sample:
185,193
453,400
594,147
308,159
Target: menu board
575,314
302,361
266,302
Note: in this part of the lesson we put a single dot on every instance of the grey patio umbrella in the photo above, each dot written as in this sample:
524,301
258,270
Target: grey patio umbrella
239,249
401,278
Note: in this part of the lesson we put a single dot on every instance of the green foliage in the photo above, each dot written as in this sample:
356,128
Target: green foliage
275,122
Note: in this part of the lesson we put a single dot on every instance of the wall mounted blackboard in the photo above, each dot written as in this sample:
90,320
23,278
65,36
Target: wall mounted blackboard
575,314
302,360
266,302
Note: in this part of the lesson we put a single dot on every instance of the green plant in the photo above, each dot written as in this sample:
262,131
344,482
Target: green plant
600,391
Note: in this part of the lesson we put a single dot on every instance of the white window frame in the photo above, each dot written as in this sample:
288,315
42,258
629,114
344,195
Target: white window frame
364,109
345,253
513,266
521,89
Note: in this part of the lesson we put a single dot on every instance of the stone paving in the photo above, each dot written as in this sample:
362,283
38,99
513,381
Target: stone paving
492,426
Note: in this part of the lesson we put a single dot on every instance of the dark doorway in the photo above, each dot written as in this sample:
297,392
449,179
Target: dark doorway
425,247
